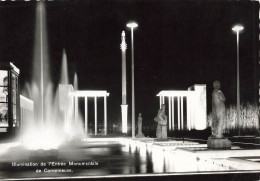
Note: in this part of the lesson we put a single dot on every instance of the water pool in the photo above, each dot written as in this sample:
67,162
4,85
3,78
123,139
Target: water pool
103,157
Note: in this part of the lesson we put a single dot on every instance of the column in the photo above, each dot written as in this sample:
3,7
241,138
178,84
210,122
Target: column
74,106
170,115
163,101
193,111
86,115
95,101
179,121
105,114
173,113
182,124
160,101
188,112
76,110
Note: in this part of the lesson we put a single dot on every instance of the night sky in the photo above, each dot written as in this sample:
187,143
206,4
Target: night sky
177,44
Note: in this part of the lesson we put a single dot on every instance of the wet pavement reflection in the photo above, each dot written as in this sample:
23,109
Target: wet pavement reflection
90,158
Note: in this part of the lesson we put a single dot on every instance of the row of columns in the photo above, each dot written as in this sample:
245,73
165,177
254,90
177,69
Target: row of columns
95,113
180,111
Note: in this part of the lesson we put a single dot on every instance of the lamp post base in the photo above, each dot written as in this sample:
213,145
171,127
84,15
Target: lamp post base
124,118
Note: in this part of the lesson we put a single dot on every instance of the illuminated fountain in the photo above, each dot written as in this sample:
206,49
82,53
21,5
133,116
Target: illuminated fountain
46,130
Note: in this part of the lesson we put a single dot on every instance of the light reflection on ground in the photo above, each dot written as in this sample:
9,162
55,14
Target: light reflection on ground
105,157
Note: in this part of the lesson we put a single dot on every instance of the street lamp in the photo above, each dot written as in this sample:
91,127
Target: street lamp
132,25
237,29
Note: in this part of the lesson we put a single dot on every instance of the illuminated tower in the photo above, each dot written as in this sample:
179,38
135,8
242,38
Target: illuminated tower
124,105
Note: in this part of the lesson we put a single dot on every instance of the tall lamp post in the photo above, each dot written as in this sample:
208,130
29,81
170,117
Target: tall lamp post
132,25
237,29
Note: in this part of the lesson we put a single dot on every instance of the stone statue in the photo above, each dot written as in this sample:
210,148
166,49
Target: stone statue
216,141
161,119
140,120
218,110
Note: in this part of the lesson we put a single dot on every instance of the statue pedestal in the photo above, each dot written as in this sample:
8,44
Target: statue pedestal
140,135
161,132
218,143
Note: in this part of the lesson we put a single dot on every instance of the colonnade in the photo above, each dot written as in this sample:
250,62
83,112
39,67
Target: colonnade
86,95
176,108
191,116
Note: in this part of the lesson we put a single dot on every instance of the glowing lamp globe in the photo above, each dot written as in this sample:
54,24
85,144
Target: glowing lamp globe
132,25
238,28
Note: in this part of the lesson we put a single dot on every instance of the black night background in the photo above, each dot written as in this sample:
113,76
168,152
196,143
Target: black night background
177,44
